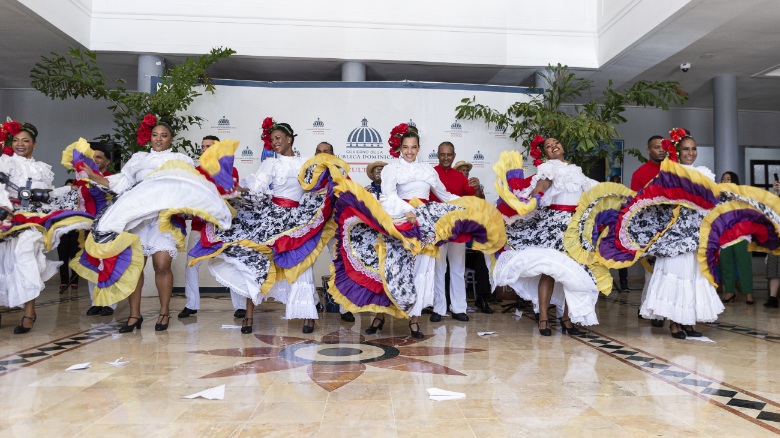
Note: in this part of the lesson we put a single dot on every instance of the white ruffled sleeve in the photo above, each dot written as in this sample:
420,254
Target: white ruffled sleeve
437,187
706,172
391,202
260,181
125,180
46,175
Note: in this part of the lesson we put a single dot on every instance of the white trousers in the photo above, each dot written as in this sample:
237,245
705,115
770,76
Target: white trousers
456,254
192,282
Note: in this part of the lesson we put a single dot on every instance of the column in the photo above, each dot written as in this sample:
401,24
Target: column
724,104
148,66
353,71
540,81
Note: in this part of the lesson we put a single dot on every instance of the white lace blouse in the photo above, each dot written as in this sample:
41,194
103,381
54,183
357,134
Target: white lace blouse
704,170
404,180
140,165
568,183
278,177
19,169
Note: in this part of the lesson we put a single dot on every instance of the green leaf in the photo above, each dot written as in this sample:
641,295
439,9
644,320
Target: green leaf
560,113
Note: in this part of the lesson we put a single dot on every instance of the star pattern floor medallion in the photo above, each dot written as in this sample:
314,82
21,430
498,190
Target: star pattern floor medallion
337,358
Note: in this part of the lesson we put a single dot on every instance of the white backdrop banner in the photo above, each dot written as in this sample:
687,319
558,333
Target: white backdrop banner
356,118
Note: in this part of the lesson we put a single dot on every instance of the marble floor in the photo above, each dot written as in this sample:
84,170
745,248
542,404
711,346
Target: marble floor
624,378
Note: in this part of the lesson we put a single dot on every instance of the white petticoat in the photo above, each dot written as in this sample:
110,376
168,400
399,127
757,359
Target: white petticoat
300,297
234,275
678,291
521,270
152,240
23,268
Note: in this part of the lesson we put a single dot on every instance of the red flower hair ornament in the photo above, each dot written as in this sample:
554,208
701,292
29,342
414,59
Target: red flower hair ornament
670,145
670,149
534,150
267,126
677,134
144,131
395,138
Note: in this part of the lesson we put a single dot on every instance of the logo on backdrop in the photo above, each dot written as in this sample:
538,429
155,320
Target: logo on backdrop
499,131
247,156
364,137
318,127
364,146
479,160
456,130
223,125
433,158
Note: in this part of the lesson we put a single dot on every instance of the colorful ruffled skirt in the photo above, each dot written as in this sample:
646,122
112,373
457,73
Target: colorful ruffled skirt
35,230
537,248
113,257
387,266
683,219
273,242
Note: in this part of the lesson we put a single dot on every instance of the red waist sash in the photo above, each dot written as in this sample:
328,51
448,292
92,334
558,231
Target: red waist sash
284,202
424,201
563,207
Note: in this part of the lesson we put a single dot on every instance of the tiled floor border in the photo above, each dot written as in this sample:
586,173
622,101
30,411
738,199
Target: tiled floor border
752,407
734,328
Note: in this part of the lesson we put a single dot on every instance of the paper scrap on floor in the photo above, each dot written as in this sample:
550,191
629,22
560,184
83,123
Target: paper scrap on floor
79,366
215,393
441,394
118,363
700,338
230,326
485,333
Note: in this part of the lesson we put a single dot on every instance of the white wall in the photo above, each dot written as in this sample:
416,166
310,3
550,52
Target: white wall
578,33
759,134
59,123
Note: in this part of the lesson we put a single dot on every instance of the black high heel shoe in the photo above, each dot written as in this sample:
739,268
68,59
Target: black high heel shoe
679,334
689,331
21,329
547,331
308,328
160,327
127,328
729,299
246,325
417,334
483,306
375,328
573,331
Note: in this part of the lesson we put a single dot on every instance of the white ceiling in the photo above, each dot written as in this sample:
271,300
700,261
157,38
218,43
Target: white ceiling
716,36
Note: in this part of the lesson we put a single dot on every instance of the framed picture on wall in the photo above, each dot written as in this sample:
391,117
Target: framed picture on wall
614,167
